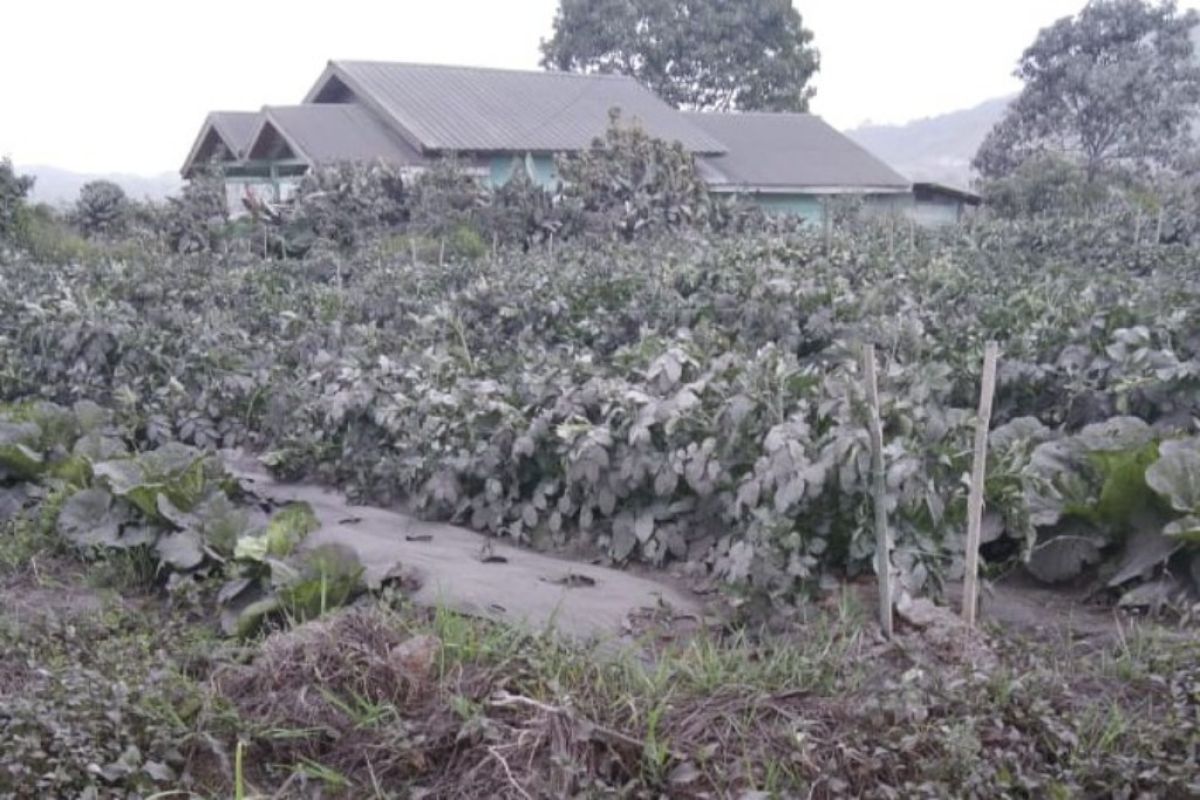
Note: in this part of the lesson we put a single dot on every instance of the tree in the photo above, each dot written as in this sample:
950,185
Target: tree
13,189
1116,85
630,182
719,55
101,209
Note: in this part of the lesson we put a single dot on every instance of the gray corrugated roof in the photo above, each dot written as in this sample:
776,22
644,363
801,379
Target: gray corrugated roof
448,108
776,152
234,128
328,134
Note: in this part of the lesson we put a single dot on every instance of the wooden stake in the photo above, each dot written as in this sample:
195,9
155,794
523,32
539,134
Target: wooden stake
883,554
978,473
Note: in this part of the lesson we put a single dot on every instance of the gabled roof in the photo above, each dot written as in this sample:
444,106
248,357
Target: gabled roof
231,129
331,133
472,109
926,189
770,152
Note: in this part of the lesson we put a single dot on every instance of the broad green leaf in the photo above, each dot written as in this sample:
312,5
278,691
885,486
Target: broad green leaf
221,524
1142,553
19,457
1063,558
1124,491
12,501
97,447
289,527
328,576
182,550
1176,474
1118,434
90,518
1186,529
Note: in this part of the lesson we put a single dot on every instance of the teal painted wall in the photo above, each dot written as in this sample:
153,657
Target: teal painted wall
809,206
935,213
803,205
500,169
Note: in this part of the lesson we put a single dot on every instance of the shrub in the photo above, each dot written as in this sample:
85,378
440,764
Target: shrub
13,190
102,209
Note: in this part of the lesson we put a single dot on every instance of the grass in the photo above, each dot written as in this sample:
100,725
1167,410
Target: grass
384,699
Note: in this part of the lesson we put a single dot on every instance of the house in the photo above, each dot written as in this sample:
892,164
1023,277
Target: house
794,162
493,121
936,204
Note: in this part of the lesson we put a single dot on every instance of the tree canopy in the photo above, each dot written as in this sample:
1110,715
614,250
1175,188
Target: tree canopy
719,55
1116,85
13,189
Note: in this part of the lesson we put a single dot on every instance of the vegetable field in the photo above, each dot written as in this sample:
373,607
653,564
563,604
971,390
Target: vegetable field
687,400
690,400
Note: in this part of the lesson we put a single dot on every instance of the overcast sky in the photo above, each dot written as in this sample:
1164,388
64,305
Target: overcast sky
123,85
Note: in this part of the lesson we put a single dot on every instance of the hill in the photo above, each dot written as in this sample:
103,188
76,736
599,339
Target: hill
60,187
935,148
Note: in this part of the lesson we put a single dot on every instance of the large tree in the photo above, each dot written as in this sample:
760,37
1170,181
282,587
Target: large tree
699,54
1118,84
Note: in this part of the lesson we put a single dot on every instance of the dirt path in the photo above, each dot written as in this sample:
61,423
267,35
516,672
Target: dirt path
472,573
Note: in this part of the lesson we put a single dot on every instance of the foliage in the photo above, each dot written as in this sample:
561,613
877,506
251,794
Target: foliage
341,204
1045,184
172,505
96,700
196,218
102,209
47,237
13,189
631,183
754,55
1116,85
692,399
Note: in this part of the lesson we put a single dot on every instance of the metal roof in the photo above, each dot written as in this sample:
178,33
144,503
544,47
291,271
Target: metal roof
236,128
777,152
473,109
333,133
923,189
233,128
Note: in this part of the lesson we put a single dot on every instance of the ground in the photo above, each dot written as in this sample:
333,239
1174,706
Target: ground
105,683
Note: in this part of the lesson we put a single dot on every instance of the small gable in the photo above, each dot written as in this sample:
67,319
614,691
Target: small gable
270,145
333,90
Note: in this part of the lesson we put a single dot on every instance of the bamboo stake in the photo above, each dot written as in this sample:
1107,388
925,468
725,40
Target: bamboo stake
883,560
978,473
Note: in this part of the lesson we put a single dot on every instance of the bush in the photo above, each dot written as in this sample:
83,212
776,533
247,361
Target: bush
102,209
13,190
48,238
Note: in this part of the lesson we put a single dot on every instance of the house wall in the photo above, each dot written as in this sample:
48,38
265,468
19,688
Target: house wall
936,211
500,169
811,207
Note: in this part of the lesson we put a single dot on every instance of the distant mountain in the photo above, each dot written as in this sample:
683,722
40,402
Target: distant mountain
60,187
935,148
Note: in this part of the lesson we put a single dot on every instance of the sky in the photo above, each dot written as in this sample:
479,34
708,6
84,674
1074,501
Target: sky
124,85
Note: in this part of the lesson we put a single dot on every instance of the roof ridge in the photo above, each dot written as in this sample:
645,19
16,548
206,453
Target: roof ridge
736,113
554,73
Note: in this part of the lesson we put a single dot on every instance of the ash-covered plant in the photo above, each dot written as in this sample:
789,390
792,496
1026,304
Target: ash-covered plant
195,221
630,182
344,204
13,190
102,209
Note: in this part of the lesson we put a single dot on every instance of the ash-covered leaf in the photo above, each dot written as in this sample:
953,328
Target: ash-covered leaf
1175,476
91,518
1063,558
